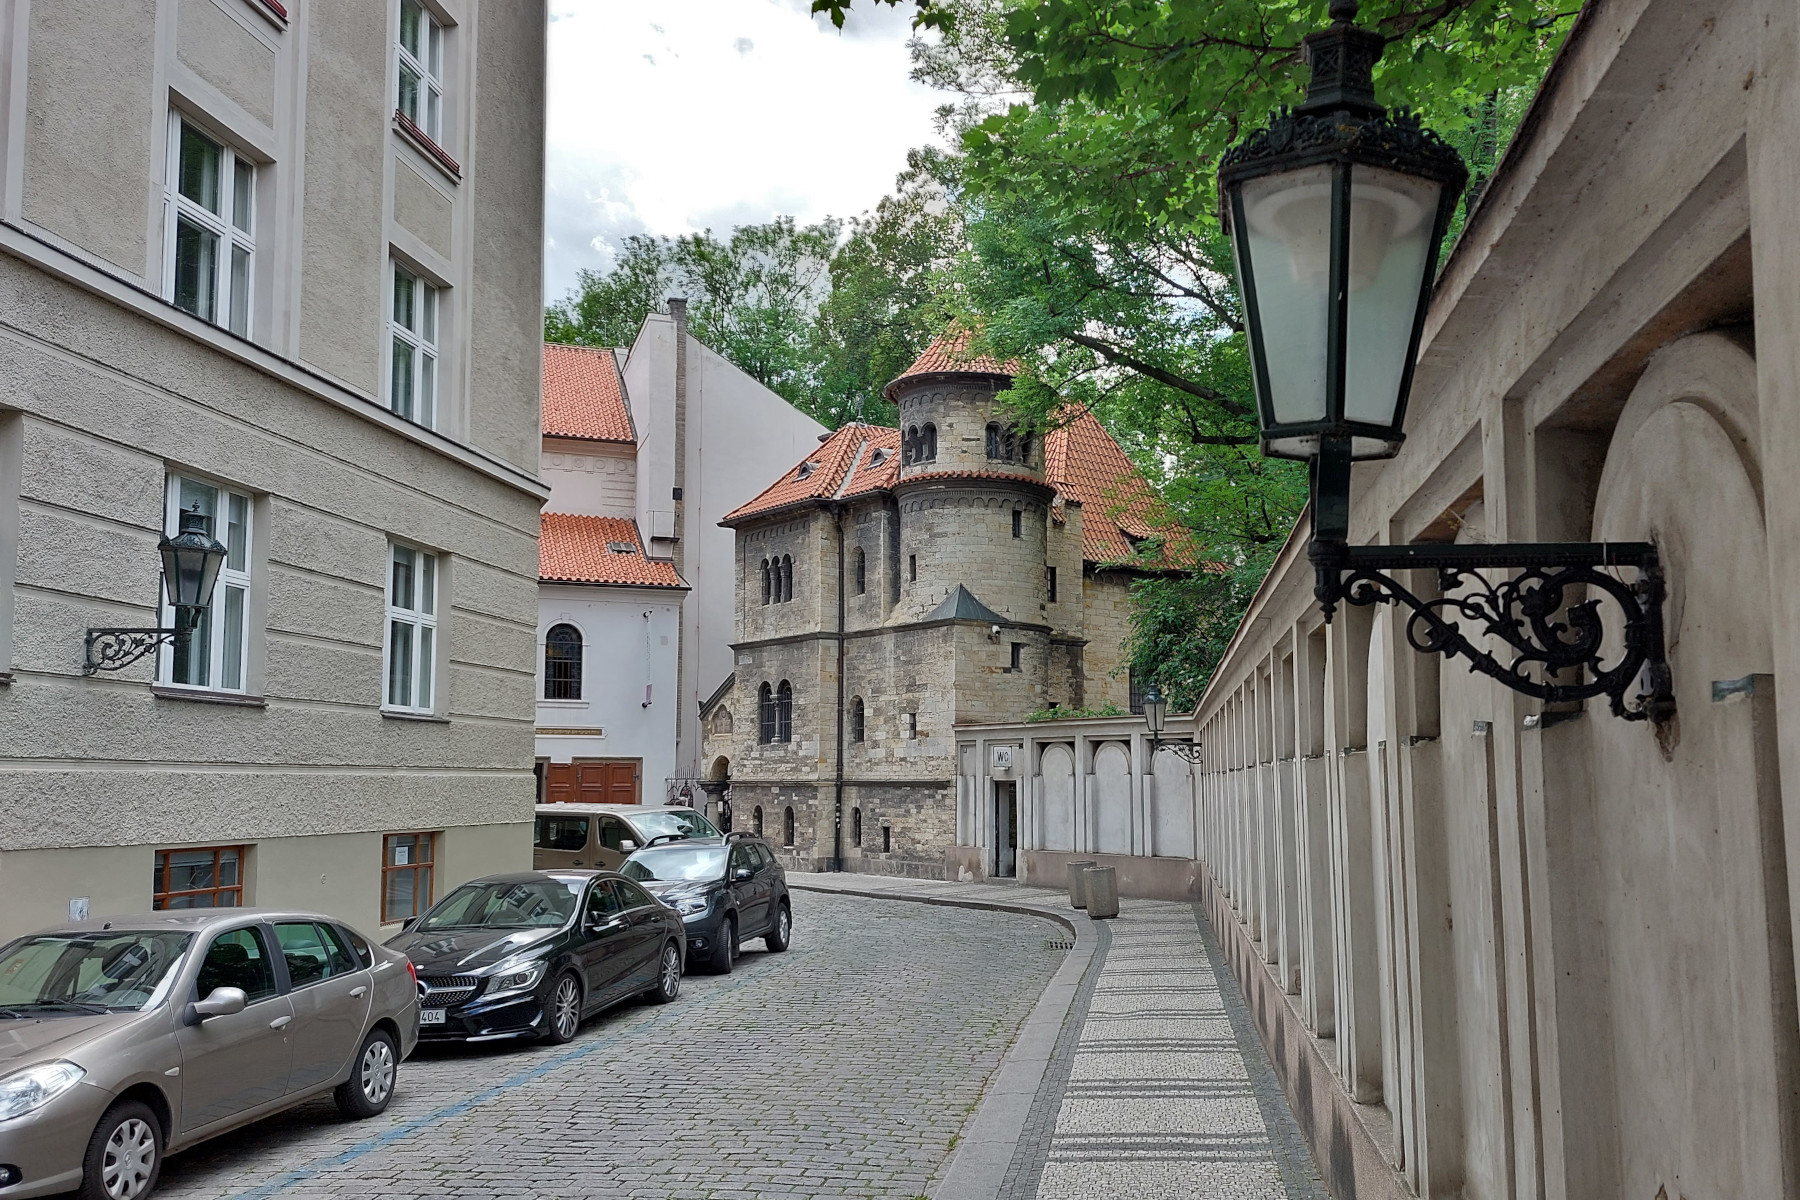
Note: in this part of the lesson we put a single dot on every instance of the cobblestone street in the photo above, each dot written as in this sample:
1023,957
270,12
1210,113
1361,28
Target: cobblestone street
845,1068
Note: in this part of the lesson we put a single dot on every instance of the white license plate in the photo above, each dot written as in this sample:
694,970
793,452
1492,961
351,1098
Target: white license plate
431,1016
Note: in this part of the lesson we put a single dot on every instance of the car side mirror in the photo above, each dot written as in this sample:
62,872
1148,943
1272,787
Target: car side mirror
223,1002
627,845
741,874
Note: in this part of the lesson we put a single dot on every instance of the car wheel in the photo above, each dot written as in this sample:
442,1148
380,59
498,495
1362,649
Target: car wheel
371,1084
783,930
724,947
668,976
562,1014
124,1156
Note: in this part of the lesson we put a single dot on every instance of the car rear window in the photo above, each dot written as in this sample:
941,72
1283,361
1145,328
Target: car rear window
562,832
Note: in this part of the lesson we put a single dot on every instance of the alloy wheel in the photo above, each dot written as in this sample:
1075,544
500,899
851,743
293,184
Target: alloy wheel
377,1071
671,972
130,1159
784,923
567,1007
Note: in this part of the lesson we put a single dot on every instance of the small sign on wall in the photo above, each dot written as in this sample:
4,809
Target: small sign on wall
78,908
1001,757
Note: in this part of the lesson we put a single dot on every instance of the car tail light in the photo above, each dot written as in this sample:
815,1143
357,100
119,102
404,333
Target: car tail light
413,971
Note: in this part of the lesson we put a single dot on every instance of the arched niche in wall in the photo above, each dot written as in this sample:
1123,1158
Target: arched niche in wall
1058,768
1687,1027
1112,798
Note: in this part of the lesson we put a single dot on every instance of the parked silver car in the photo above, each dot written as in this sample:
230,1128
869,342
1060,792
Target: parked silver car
122,1040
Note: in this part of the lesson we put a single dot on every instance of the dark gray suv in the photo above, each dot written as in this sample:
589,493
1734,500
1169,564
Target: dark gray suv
727,889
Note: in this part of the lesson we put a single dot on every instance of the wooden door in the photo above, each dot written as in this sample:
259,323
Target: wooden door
559,783
612,782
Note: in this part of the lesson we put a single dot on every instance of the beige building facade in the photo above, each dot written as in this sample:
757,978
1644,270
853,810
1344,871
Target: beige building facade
279,261
1498,951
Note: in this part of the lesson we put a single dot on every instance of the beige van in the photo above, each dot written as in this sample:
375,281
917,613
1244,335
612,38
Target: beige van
601,835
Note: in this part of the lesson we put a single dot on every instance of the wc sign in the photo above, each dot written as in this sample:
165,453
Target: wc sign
1001,758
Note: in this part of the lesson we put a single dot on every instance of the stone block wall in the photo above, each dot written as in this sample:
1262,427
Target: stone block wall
961,412
961,532
809,538
1106,598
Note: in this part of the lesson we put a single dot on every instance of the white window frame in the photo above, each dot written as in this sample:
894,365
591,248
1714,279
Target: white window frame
414,337
427,67
234,227
417,615
214,636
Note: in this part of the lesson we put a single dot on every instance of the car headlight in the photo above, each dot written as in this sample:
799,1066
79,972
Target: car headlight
696,902
31,1089
515,977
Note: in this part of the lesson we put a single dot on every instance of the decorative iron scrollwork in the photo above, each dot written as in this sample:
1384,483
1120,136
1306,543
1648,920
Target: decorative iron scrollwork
1189,752
1548,615
114,649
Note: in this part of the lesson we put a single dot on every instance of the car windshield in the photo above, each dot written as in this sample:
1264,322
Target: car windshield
113,971
681,822
675,862
526,904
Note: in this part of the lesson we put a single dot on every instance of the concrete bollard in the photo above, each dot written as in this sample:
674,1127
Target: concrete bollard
1077,882
1102,887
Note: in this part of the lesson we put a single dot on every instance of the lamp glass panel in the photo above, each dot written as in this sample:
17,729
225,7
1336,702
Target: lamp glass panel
189,582
1391,222
1287,235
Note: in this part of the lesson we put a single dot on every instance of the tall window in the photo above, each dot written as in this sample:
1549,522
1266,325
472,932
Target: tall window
1136,692
787,826
912,568
214,657
562,663
412,628
1050,583
765,714
862,573
211,248
928,443
787,578
406,871
858,719
412,383
1018,656
856,826
909,445
784,712
1018,522
993,442
206,877
768,582
756,819
421,97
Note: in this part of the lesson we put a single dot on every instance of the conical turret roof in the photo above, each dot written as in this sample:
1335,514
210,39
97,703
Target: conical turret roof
949,354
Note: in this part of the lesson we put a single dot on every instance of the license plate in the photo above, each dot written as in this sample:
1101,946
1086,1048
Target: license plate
431,1016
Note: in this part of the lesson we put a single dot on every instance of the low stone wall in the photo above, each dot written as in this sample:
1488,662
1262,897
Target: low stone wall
1144,878
1349,1156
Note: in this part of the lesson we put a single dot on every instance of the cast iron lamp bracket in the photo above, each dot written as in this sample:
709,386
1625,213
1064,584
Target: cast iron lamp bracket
1156,713
115,649
190,566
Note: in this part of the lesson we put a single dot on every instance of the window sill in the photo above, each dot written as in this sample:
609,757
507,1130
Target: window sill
562,703
206,696
5,678
423,143
429,718
272,11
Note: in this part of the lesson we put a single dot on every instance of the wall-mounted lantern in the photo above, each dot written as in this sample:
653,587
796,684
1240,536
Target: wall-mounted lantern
190,567
1156,716
1336,213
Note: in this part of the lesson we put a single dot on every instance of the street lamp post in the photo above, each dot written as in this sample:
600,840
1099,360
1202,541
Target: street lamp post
190,567
1336,213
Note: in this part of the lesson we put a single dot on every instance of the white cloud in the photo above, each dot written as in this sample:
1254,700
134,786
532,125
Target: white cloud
671,118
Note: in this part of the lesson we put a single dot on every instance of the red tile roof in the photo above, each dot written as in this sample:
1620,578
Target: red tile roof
584,396
948,355
843,465
1081,461
578,549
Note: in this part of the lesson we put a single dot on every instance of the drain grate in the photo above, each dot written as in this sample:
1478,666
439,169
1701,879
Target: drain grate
1058,944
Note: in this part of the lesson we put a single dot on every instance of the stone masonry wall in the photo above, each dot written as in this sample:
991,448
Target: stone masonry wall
1107,598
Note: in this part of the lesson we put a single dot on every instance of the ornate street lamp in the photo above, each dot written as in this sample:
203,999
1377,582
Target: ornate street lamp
190,567
1156,715
1336,213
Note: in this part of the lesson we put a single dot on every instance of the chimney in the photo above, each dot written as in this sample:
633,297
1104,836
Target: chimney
678,310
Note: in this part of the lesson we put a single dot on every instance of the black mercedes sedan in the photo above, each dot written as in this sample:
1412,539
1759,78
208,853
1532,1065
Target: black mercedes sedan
533,953
726,889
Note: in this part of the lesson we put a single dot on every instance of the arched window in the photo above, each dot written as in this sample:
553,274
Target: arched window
858,719
928,436
756,820
1009,447
862,575
768,582
784,712
787,826
856,826
787,578
765,714
909,445
993,442
562,663
1025,449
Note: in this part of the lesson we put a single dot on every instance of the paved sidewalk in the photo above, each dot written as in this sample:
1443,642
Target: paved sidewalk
1138,1076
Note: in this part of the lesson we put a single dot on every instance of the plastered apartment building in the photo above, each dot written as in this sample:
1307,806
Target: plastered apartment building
279,262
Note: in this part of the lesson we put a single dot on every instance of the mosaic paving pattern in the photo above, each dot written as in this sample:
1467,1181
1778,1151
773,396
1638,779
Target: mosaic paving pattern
1164,1096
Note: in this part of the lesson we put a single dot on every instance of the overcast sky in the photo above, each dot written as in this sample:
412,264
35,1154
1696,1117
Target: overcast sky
672,116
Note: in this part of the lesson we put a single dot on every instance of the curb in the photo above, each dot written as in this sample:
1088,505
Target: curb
990,1137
